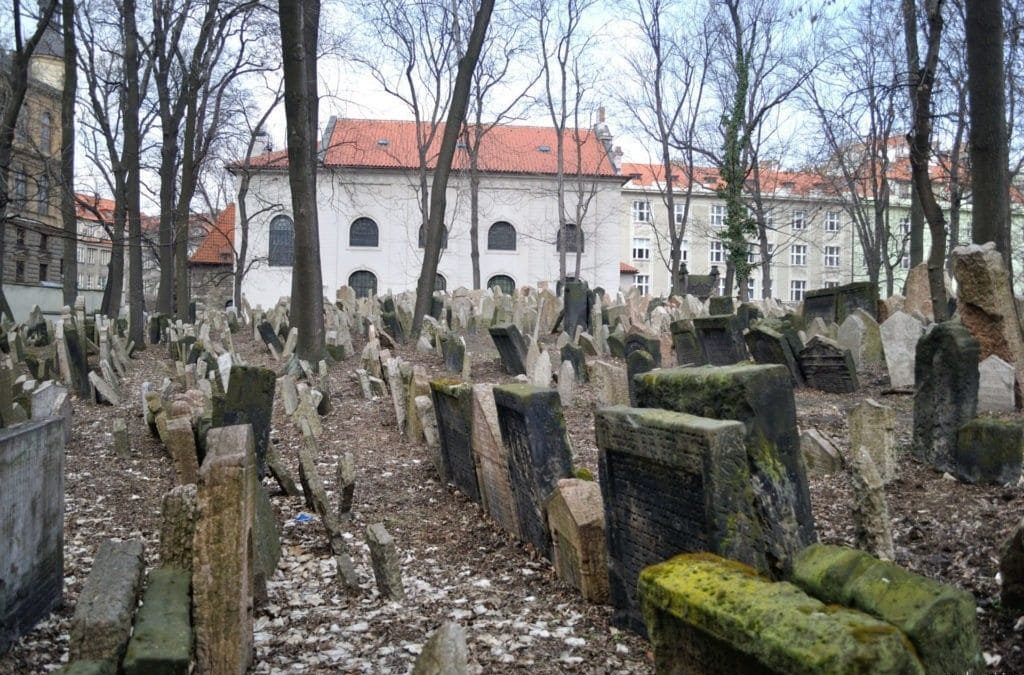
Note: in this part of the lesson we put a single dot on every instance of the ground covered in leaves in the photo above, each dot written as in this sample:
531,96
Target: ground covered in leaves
456,563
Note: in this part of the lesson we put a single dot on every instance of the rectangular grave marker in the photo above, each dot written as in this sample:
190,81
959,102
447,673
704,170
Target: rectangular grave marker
453,408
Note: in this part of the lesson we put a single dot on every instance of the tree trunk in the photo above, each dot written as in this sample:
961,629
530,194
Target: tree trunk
131,158
474,206
69,282
452,129
916,228
299,21
990,220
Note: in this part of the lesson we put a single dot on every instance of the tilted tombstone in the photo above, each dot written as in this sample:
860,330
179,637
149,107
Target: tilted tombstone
828,366
576,308
638,341
249,400
453,406
946,395
686,344
533,429
769,346
638,361
900,333
492,461
574,355
453,352
78,360
511,347
860,334
617,343
269,336
721,340
748,313
760,396
671,482
576,518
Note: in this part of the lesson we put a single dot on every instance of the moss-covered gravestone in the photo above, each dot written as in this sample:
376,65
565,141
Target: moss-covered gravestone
575,355
989,451
721,339
453,405
638,361
946,396
684,340
671,482
640,342
453,352
249,400
760,396
533,430
720,305
707,615
77,360
828,366
769,346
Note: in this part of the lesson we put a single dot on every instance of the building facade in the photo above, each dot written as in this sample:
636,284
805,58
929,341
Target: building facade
370,220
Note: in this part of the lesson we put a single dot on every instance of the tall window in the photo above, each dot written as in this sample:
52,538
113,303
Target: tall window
363,283
796,290
643,282
716,251
81,254
363,232
641,211
44,241
905,226
570,238
831,256
92,256
46,133
798,254
751,286
43,195
440,283
680,210
104,257
752,249
685,251
19,270
641,248
799,221
21,126
282,242
716,215
502,281
423,236
43,270
20,194
21,236
501,237
832,221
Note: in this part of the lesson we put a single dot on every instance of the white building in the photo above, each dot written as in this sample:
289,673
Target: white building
370,218
810,237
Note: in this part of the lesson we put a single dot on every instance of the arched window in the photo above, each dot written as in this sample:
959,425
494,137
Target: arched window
440,283
571,237
363,283
502,281
423,237
501,237
45,133
282,241
363,232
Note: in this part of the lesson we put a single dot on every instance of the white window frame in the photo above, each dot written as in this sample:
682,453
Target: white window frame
797,289
905,225
798,255
643,282
716,215
716,252
91,255
684,251
830,284
833,254
641,211
751,287
832,221
799,220
641,248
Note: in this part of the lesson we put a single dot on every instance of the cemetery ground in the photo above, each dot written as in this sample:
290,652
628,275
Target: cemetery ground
456,563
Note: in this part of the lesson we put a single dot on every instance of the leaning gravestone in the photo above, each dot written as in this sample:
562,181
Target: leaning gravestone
269,336
760,396
511,347
946,398
453,407
579,300
769,346
248,400
639,342
575,356
533,429
671,482
576,518
721,339
720,305
684,340
828,366
989,451
78,359
900,333
637,362
860,334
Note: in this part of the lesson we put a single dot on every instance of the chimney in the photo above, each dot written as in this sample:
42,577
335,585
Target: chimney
600,115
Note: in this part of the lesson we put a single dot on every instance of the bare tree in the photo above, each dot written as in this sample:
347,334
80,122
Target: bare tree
452,131
67,153
131,153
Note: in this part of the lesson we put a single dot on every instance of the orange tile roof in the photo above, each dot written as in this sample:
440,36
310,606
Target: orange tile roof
625,268
391,144
218,246
87,207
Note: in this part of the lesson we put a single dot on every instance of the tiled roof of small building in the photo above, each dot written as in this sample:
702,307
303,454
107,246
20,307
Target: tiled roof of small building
217,247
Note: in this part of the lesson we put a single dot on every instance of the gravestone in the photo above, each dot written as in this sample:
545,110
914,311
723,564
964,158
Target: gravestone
995,385
769,346
492,461
946,396
575,356
638,341
860,334
1011,567
872,531
576,519
873,427
862,295
821,456
671,482
720,305
78,360
31,525
453,352
820,303
686,344
533,429
900,333
511,348
828,366
249,400
269,336
637,362
760,396
453,408
989,451
384,558
578,300
610,385
721,340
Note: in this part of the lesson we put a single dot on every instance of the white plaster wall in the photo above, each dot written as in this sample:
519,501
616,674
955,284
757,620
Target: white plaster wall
390,199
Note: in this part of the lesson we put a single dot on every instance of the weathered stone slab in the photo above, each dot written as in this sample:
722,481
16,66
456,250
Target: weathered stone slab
103,614
769,346
900,333
161,642
996,385
946,395
511,347
387,568
821,456
828,366
453,408
989,451
224,562
576,519
575,355
610,384
671,482
871,528
939,619
873,427
860,334
445,653
181,444
578,300
31,525
492,461
760,396
179,513
249,400
686,344
1011,568
721,339
637,341
533,429
707,615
